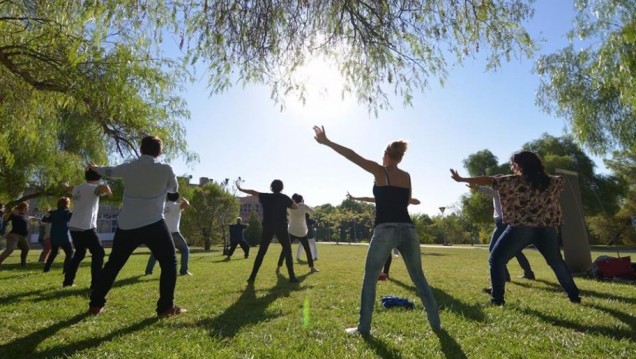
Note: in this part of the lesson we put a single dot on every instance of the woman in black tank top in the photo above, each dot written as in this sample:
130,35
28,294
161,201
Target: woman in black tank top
393,229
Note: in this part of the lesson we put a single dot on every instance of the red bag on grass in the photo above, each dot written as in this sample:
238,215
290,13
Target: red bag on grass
615,267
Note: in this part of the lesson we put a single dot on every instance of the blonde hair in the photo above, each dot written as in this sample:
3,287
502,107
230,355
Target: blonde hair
395,150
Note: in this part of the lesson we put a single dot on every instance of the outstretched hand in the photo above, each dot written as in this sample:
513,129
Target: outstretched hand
321,135
456,176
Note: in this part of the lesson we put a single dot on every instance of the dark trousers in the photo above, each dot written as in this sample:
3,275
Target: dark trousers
82,241
304,241
241,242
55,248
266,239
387,265
157,238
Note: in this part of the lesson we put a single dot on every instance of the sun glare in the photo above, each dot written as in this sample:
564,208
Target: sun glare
323,93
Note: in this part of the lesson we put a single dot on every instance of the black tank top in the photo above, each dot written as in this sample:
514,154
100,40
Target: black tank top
391,203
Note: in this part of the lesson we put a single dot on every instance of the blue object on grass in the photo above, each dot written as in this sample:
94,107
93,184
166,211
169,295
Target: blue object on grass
391,301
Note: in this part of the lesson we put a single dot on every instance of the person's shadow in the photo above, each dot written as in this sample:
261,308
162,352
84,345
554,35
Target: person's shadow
450,303
26,346
449,346
249,309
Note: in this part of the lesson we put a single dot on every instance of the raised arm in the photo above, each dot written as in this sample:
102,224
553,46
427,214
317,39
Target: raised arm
367,165
103,190
184,204
248,191
362,199
481,180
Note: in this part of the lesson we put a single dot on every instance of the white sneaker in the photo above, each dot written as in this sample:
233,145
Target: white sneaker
352,331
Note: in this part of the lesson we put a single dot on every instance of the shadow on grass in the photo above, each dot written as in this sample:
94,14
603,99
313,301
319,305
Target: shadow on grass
608,331
25,347
73,348
381,348
555,287
16,296
450,347
627,318
448,302
249,309
84,291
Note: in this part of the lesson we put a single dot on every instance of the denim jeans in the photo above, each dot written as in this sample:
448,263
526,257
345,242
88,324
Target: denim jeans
182,247
157,238
512,241
385,237
500,227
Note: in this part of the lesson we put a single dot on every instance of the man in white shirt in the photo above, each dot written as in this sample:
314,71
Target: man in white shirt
146,182
172,213
83,226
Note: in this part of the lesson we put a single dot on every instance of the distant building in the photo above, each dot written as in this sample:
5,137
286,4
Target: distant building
250,204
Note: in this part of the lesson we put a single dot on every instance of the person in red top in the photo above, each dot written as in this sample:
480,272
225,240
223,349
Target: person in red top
530,209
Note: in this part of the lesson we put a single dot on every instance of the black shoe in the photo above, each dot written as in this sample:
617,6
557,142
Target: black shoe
487,290
576,299
528,276
293,280
498,303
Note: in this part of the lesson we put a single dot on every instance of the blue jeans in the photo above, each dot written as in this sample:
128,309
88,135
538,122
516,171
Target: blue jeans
385,237
182,247
512,241
500,227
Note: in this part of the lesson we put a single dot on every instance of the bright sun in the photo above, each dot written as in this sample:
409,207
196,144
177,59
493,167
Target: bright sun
323,95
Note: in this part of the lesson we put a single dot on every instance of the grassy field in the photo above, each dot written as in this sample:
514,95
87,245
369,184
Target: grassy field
276,319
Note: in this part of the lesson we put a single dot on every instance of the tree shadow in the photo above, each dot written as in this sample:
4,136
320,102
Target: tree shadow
248,309
607,331
447,302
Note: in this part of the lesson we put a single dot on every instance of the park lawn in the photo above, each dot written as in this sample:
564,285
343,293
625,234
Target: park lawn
276,319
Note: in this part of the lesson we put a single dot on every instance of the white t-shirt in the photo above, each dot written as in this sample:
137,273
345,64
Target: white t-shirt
172,213
85,207
297,223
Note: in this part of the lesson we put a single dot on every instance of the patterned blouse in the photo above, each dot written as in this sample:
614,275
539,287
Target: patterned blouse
524,206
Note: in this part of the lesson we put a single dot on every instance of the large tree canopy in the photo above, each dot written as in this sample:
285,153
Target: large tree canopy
84,80
594,87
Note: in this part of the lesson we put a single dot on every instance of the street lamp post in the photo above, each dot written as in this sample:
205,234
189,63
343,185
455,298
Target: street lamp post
442,209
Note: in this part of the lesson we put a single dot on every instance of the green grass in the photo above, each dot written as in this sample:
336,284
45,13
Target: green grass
39,318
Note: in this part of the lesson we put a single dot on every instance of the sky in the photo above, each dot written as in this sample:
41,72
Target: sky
242,132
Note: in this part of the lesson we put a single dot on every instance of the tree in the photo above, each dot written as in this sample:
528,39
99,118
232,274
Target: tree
254,230
599,193
481,163
71,92
212,207
78,74
593,85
